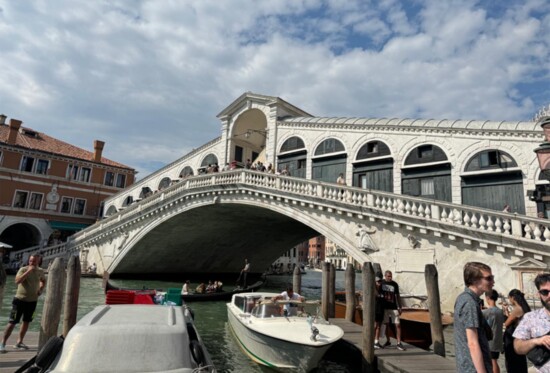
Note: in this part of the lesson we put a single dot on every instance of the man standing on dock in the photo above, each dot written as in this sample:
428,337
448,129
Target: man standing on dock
471,344
392,308
30,282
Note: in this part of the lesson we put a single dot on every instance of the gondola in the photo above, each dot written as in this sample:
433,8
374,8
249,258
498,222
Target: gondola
206,297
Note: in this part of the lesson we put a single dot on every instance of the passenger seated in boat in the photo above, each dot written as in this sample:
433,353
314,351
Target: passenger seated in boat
92,268
289,309
185,288
211,288
201,289
219,285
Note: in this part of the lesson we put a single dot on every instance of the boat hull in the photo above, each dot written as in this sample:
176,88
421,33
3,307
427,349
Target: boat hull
273,352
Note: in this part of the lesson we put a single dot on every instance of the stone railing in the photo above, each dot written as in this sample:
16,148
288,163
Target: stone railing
355,200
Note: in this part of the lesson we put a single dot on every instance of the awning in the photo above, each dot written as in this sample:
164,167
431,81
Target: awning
66,226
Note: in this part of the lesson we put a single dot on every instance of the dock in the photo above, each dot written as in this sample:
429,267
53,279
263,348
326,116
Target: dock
413,360
14,359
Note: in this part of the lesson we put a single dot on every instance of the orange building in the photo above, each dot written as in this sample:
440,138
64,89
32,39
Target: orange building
316,252
50,189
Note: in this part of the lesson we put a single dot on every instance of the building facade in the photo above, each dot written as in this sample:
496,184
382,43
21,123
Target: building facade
51,189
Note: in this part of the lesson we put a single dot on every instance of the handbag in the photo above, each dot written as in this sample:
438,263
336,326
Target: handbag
539,355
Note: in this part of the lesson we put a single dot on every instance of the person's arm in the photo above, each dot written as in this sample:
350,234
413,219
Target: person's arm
19,278
512,317
42,285
523,346
475,349
398,299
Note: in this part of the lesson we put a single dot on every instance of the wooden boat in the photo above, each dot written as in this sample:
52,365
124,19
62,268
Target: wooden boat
415,321
295,340
130,338
204,297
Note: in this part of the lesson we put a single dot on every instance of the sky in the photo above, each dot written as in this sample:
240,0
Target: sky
149,77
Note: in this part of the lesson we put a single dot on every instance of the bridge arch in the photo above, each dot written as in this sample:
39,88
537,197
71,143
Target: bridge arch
24,233
373,166
248,135
164,183
186,172
329,159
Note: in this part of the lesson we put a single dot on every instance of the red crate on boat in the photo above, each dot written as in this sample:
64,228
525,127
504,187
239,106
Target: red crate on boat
119,297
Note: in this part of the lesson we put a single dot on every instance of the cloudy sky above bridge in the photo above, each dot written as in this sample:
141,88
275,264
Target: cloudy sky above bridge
149,77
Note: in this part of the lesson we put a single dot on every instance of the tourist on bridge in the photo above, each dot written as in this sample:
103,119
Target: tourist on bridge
532,335
471,343
495,319
514,362
378,310
392,308
30,282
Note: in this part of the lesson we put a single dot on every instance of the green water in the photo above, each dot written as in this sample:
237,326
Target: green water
210,317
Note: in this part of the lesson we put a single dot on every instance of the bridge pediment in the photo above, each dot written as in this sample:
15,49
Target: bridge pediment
528,263
248,98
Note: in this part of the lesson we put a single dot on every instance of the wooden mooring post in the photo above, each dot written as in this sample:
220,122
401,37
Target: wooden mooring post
51,313
332,291
369,293
72,291
325,303
297,280
350,293
434,305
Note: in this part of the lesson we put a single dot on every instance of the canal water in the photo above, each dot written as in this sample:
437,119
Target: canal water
210,317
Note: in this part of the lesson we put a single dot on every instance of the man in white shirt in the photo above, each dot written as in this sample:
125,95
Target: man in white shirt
290,308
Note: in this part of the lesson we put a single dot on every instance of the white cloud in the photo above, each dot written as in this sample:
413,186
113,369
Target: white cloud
152,75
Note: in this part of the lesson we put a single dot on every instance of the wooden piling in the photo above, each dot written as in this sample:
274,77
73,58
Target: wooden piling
332,291
350,293
3,279
434,305
72,291
377,269
51,313
369,291
297,280
325,290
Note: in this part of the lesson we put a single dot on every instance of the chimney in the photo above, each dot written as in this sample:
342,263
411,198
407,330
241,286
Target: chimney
2,119
14,128
98,149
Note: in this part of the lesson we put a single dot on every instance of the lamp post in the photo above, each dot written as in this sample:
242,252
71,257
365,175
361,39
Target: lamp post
543,151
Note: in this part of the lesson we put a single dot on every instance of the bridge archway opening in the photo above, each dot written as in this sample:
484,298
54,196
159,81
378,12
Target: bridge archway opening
186,172
249,136
21,236
111,210
164,183
217,236
492,179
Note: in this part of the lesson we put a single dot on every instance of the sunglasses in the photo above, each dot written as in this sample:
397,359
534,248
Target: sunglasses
489,278
544,292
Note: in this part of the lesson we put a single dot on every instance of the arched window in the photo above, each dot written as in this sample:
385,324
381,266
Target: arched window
145,192
373,168
111,211
490,159
164,183
186,172
425,154
128,201
428,173
209,159
293,155
329,162
493,180
292,144
329,146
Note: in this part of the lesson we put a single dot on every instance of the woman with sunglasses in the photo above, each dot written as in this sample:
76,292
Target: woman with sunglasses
514,362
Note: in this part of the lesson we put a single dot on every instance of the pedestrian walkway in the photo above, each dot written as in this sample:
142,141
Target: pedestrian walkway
390,359
13,359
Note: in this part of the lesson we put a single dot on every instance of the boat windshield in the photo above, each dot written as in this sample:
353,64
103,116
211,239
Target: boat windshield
268,309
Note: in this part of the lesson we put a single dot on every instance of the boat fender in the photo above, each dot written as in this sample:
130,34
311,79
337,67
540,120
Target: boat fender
196,351
48,353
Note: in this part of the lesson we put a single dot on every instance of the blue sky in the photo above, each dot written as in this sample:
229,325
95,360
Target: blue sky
149,77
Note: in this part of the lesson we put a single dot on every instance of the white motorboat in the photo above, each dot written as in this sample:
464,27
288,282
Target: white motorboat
284,334
132,338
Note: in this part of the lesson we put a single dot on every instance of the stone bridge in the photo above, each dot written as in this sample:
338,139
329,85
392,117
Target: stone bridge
210,223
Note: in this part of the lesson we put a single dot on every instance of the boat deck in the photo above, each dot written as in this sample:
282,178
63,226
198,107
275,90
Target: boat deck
391,359
13,359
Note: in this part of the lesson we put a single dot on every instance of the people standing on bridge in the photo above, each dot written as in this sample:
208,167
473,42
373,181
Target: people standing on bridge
495,319
378,310
471,344
392,307
30,282
244,272
533,331
514,362
341,180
